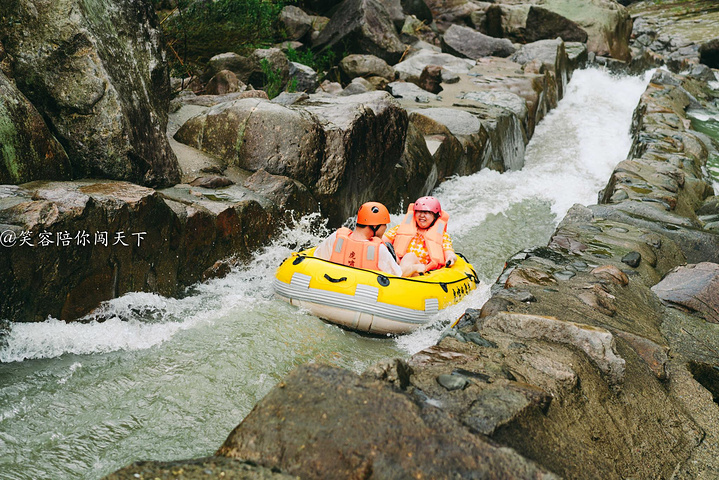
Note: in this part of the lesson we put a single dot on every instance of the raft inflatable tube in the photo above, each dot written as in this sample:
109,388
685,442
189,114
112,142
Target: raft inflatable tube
368,300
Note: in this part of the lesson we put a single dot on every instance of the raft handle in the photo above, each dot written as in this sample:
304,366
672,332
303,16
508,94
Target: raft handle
298,259
335,280
444,286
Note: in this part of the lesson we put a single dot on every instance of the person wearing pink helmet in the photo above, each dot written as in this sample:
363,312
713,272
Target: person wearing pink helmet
421,242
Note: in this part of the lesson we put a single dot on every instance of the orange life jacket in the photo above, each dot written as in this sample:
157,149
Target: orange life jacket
433,237
355,253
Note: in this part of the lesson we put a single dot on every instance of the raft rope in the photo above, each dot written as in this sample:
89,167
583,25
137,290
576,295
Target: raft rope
383,280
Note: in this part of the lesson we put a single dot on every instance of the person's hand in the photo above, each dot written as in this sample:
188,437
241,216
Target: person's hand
450,258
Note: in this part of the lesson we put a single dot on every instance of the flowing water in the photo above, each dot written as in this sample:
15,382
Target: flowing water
168,379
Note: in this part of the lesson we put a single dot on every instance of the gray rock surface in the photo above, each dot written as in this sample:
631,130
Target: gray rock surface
103,86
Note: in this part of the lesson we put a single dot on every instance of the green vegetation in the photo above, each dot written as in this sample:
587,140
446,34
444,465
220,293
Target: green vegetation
273,79
196,30
318,62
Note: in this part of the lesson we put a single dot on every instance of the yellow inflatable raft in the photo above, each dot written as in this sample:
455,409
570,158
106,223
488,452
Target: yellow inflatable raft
367,300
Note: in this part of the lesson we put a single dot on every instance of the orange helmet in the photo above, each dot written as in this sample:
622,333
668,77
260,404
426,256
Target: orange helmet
373,213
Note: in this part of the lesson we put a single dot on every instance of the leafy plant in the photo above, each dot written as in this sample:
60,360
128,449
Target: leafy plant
196,30
320,63
273,79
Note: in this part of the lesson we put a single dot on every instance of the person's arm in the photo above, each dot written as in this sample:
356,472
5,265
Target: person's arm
450,258
390,234
324,249
387,263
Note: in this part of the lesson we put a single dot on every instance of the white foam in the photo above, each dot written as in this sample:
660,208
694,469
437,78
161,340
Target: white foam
137,321
569,159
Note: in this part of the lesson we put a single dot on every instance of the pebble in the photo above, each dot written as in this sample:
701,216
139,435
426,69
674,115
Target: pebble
453,382
563,275
633,259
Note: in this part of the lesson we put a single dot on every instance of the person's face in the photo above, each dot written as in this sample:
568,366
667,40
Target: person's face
423,219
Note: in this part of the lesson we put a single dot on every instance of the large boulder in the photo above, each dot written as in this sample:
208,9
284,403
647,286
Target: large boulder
529,23
366,66
411,68
467,42
364,140
608,24
605,25
326,422
97,73
72,245
295,21
29,150
550,56
77,244
363,26
255,134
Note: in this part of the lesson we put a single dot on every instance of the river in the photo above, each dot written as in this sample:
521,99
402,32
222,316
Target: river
168,379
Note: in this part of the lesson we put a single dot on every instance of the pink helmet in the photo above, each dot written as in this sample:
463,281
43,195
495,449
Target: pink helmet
427,204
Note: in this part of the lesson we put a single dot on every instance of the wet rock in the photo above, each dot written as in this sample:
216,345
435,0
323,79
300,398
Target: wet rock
498,405
528,276
495,305
364,140
478,339
633,259
654,355
551,55
200,468
695,287
453,382
296,428
468,318
467,42
29,150
599,299
100,80
612,274
92,228
290,196
597,343
212,182
396,372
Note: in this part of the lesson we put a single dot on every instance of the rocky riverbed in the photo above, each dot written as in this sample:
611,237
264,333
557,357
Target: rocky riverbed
596,355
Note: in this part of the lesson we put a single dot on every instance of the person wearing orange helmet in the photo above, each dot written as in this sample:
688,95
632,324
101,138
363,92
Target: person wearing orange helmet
421,241
362,247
